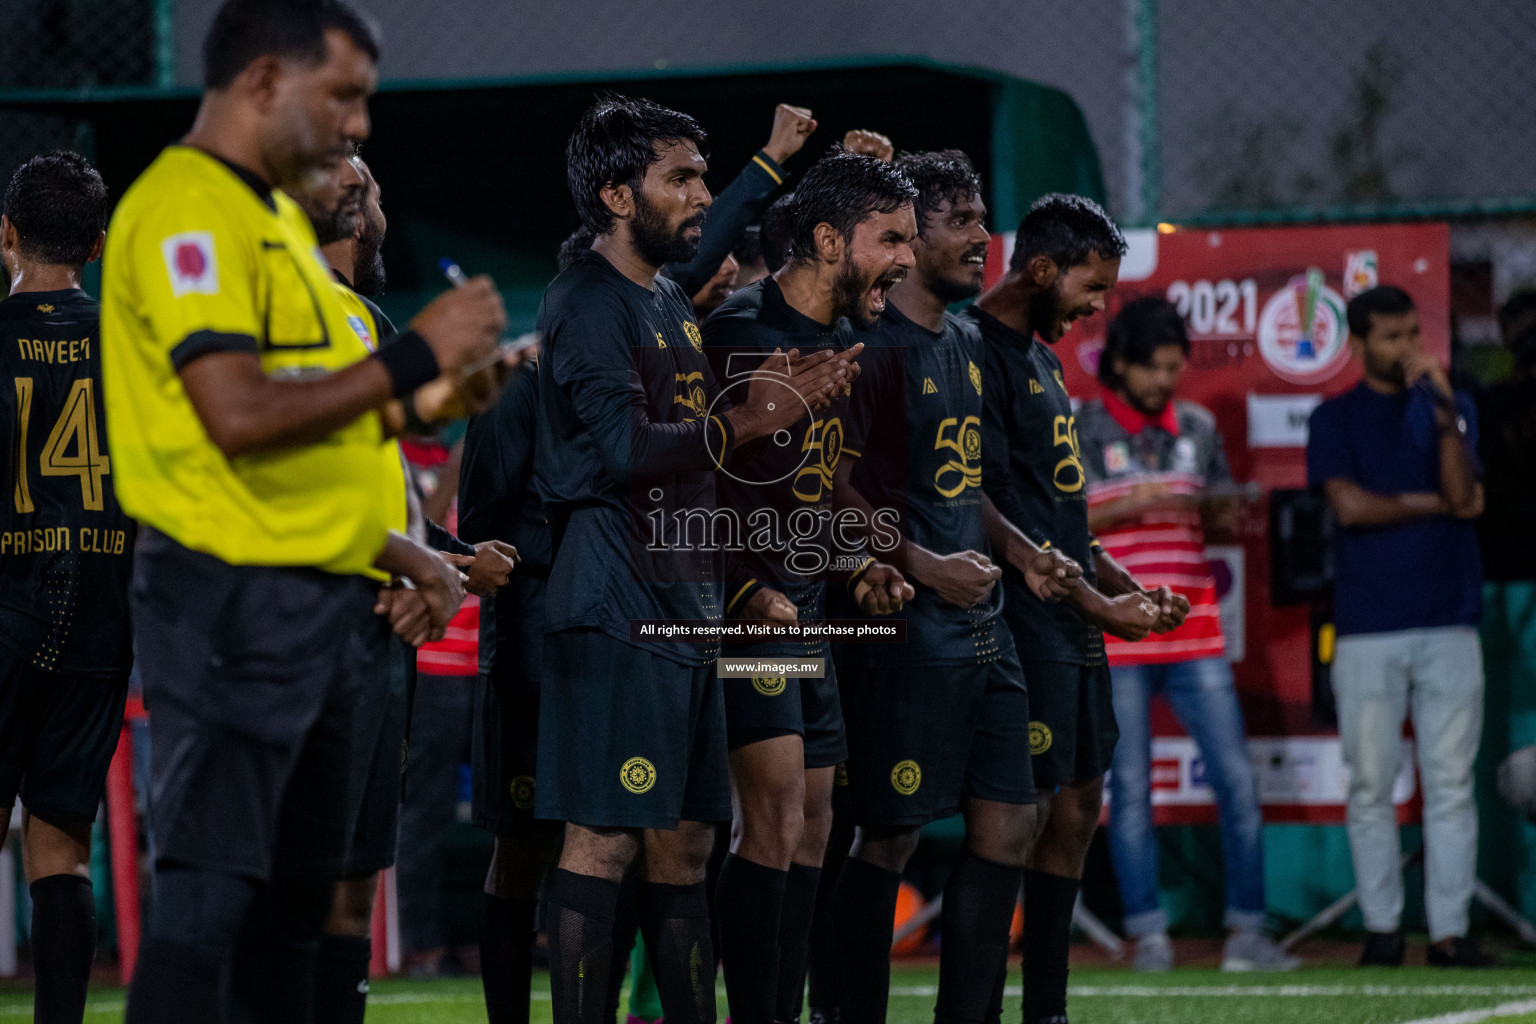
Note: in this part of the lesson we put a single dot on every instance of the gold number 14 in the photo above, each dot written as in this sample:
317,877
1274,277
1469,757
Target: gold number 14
75,428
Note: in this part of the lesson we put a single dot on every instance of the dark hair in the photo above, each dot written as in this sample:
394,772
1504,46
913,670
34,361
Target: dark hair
776,232
1067,229
578,242
244,30
941,176
59,206
749,250
843,189
1385,299
1141,327
615,141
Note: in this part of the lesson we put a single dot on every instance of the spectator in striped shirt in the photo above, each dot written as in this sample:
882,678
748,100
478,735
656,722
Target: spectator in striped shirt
1157,481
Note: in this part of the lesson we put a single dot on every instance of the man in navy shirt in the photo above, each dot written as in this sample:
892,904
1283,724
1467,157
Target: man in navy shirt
1395,458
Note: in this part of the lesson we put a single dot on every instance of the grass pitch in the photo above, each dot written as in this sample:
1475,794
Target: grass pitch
1318,995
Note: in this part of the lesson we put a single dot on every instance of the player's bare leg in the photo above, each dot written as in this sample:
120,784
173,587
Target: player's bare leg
511,906
58,866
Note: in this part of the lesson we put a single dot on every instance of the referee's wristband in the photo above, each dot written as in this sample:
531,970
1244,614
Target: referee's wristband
409,361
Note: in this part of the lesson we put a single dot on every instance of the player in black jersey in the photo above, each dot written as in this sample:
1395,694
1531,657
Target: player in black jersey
937,725
632,429
1065,261
786,733
66,553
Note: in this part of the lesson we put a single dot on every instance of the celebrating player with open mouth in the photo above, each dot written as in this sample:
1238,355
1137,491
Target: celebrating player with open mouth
939,724
786,733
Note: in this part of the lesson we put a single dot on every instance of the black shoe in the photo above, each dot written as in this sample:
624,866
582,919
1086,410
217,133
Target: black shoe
1382,949
1464,952
828,1015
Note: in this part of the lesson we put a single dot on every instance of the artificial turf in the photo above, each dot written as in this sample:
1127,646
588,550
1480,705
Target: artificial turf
1099,995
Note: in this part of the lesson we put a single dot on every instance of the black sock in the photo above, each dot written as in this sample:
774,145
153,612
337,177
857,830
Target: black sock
978,908
175,983
674,919
1048,903
63,946
750,901
272,975
821,970
864,921
794,939
580,945
341,979
506,958
193,927
626,925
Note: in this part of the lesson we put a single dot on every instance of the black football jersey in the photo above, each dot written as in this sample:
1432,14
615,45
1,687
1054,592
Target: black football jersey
631,431
1035,478
915,428
66,548
779,490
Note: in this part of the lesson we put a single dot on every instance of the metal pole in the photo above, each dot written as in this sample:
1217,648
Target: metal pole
1143,168
165,43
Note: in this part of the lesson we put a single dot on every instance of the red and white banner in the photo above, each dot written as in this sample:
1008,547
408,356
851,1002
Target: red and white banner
1265,312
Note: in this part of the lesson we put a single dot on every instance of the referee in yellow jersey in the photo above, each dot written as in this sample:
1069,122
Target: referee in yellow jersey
243,414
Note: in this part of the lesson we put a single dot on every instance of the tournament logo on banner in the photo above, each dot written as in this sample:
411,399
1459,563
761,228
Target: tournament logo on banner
1302,333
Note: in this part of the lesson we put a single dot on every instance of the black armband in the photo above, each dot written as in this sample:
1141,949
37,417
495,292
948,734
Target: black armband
410,362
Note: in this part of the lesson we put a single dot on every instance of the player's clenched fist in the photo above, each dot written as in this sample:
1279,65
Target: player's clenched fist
791,127
1051,575
965,578
882,590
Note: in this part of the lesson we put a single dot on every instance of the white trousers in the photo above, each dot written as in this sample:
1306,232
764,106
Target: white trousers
1436,676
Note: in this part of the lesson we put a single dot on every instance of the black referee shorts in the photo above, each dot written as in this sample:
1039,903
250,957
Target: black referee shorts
57,737
627,738
257,682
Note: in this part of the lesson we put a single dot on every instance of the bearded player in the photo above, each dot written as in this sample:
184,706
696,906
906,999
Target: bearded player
938,725
632,732
1065,261
785,732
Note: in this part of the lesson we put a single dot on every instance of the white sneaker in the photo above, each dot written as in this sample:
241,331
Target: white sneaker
1154,952
1254,952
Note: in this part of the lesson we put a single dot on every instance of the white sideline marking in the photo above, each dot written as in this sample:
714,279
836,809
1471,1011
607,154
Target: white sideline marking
1510,1009
1259,991
1488,1013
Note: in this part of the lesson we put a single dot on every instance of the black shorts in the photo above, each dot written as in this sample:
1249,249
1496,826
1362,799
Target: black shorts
767,706
257,683
376,832
920,737
627,738
1072,730
504,750
57,737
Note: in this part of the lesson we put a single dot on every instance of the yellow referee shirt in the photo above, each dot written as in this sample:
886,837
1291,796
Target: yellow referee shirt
199,260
